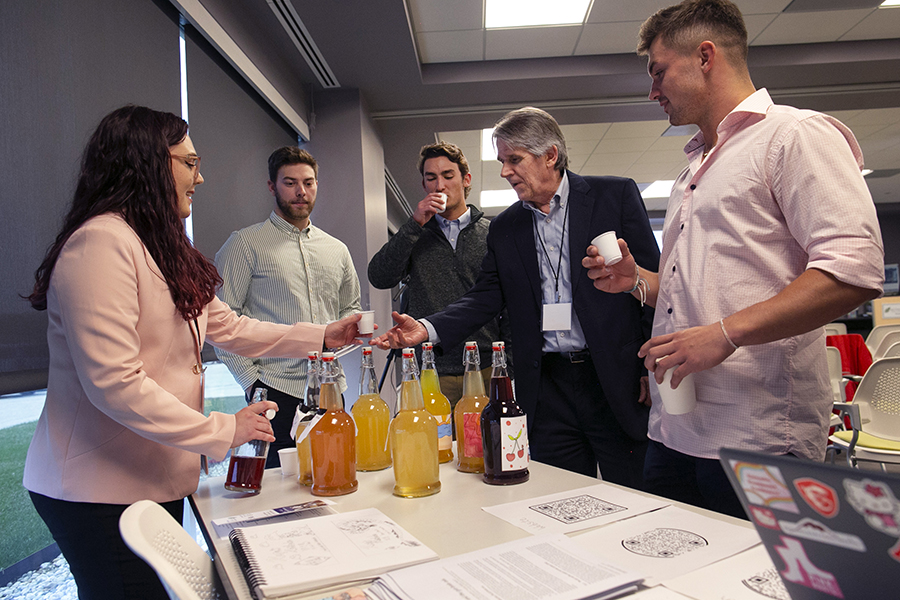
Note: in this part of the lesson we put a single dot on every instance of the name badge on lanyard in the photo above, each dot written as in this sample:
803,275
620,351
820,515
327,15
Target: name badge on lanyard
557,317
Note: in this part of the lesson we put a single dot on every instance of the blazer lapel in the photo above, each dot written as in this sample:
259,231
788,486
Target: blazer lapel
523,234
581,212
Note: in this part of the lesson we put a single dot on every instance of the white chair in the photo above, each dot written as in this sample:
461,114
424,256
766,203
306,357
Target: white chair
874,417
838,382
878,332
836,329
889,339
186,571
892,351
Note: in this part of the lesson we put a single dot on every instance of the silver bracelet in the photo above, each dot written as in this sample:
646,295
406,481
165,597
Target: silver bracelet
725,333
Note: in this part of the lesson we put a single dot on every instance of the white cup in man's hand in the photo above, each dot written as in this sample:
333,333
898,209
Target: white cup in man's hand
608,246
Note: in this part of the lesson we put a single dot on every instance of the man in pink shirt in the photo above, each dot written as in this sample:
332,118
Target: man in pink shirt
770,233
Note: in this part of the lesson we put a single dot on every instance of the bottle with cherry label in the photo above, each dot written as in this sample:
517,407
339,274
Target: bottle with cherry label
504,428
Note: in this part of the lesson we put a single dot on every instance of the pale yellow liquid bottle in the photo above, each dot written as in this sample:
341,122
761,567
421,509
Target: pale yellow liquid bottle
332,439
309,407
414,441
437,404
468,414
373,419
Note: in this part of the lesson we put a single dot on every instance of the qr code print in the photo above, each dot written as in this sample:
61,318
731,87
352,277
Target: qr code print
577,509
768,584
664,543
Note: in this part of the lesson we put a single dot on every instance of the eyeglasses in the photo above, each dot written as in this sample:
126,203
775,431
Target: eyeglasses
191,160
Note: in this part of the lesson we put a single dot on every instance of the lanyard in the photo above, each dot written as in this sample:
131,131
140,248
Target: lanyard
562,240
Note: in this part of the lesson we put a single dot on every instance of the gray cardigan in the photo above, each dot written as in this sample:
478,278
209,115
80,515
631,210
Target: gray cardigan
438,276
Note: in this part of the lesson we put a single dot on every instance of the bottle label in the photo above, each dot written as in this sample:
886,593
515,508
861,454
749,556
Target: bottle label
472,435
445,432
514,443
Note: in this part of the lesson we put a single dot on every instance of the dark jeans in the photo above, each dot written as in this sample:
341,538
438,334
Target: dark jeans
575,429
104,568
698,481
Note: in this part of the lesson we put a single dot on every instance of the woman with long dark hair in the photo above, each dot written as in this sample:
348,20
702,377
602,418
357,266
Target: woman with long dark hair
130,303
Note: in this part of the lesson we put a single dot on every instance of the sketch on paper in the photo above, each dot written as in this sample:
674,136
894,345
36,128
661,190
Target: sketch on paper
374,536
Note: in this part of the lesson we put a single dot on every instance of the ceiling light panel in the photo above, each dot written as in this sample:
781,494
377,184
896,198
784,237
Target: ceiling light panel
533,13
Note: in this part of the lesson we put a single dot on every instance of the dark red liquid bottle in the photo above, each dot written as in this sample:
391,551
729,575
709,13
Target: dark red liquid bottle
504,429
248,461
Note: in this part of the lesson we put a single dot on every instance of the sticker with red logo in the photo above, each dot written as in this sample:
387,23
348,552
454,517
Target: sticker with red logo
820,497
764,485
894,552
875,502
764,517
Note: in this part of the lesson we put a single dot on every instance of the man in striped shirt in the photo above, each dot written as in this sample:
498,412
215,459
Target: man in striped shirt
285,270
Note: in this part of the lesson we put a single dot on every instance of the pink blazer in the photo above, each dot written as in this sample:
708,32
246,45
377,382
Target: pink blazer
123,419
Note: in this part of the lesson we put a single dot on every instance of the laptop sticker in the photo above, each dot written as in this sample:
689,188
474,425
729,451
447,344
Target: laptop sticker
820,497
894,551
800,570
764,485
664,543
764,517
875,502
767,583
810,529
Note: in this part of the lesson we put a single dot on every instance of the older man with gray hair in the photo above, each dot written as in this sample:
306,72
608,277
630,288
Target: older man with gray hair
577,371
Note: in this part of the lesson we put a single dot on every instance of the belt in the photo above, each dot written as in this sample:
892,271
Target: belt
573,357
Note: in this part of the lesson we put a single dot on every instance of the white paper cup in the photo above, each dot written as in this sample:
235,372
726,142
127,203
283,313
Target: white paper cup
608,246
682,399
443,202
367,322
290,462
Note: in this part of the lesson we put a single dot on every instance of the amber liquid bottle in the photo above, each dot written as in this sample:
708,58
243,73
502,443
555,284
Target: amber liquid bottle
437,404
332,439
373,418
248,461
414,441
308,409
468,414
504,428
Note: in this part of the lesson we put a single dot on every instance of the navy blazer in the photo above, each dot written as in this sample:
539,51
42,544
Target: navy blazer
615,326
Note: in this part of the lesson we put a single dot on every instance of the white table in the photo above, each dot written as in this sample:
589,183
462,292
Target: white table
450,522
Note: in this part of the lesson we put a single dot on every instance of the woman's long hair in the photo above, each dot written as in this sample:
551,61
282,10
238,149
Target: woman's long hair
126,170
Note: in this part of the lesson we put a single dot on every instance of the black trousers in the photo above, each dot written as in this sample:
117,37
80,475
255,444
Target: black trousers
698,481
104,568
575,429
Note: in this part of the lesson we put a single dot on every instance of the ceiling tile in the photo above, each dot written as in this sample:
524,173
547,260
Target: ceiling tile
801,28
881,24
584,131
666,159
614,159
637,129
755,7
864,131
633,10
843,115
819,5
674,142
531,42
875,116
608,38
451,46
431,15
469,138
623,144
756,24
585,147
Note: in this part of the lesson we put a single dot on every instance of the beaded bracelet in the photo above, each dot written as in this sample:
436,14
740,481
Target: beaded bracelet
640,285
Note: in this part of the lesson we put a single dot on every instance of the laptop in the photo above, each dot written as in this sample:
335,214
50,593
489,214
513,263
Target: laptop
831,531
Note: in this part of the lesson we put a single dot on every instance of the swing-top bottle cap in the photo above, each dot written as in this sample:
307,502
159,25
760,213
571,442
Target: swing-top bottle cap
367,350
327,356
313,355
408,353
471,345
427,345
499,345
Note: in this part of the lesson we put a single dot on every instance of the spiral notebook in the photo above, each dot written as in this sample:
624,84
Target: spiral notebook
283,559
